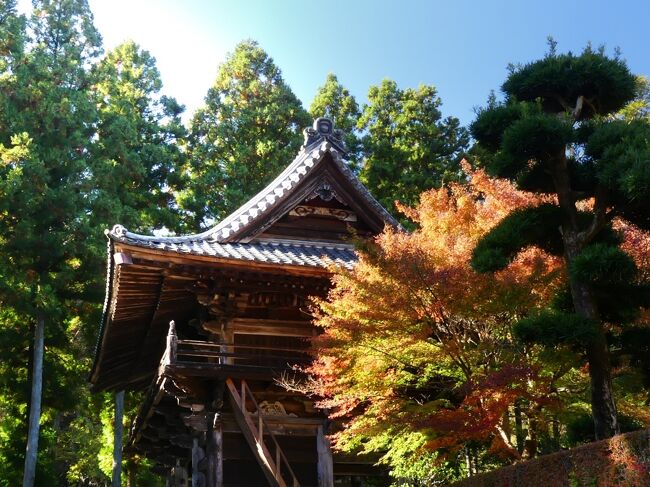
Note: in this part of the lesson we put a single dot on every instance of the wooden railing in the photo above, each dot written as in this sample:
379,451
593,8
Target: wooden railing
233,353
260,437
201,352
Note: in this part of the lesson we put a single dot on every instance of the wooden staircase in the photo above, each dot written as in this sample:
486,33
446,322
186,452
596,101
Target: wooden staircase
261,439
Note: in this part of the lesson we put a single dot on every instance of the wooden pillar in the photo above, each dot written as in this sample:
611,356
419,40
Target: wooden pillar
118,427
325,461
214,451
228,337
198,477
179,475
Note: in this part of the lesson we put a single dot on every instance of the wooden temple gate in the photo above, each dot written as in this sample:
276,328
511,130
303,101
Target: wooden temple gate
207,324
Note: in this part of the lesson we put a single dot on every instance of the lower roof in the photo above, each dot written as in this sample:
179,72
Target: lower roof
309,254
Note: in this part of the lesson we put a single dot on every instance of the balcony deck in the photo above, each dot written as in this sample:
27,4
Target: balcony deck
222,360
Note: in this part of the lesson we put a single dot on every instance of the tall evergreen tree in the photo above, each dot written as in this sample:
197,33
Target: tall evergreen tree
248,130
44,138
136,156
135,164
334,101
408,146
12,38
554,134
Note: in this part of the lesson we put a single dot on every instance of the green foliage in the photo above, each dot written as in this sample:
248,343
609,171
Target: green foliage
535,138
408,146
409,461
68,125
559,133
622,152
247,132
639,107
580,429
532,226
521,137
603,265
136,154
635,341
81,441
606,83
491,122
334,101
12,38
550,328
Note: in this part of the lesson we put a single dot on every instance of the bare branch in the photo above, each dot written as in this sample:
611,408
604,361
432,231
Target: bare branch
577,110
601,216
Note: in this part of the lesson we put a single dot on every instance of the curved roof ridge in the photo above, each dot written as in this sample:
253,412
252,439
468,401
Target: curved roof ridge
275,188
319,140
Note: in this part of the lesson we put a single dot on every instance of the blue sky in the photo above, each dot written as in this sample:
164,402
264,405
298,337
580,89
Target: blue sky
462,47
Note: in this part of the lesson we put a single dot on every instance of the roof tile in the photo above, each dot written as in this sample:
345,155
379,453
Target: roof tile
288,253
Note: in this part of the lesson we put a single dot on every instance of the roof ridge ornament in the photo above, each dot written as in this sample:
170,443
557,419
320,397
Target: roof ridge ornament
118,230
323,130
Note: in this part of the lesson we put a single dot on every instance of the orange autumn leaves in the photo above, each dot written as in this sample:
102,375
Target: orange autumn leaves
636,243
415,341
414,337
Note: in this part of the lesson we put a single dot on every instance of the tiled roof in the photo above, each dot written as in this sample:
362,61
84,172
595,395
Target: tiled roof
288,253
221,240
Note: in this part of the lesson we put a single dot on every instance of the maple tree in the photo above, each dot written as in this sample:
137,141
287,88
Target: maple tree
418,357
417,354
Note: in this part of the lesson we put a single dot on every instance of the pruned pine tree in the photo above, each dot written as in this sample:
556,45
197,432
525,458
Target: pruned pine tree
248,130
553,134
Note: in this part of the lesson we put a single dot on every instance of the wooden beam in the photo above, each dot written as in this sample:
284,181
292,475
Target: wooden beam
122,258
253,326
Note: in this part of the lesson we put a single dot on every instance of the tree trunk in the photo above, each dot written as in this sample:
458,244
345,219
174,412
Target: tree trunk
519,427
31,453
130,477
531,442
117,439
603,407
